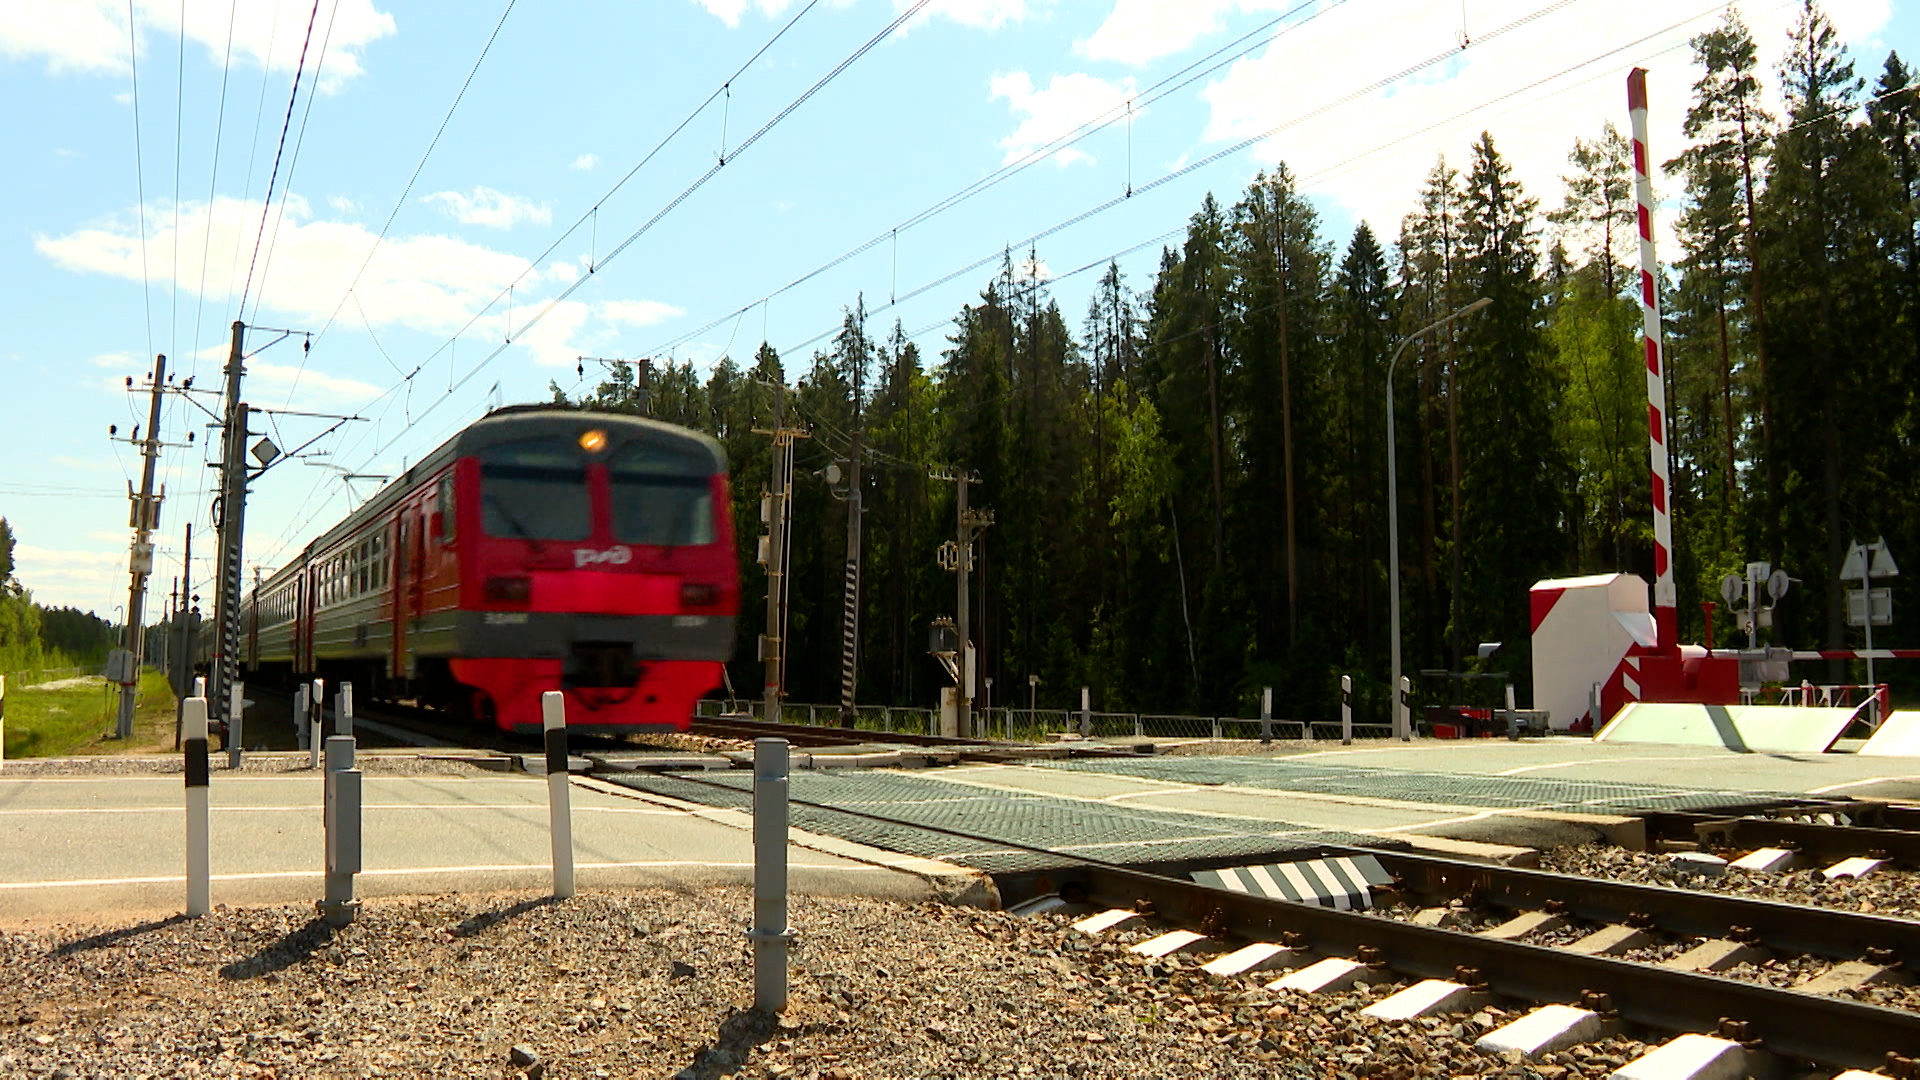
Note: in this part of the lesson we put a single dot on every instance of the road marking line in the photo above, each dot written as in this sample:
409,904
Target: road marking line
1859,783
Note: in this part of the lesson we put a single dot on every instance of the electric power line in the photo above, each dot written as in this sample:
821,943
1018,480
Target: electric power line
267,204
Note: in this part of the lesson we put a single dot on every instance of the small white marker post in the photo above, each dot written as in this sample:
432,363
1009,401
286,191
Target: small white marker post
236,712
303,737
553,722
1086,715
1266,715
199,877
316,723
770,934
343,710
200,686
1346,710
3,721
1404,703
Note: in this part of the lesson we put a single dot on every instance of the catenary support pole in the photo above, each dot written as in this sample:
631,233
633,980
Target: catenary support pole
553,723
236,712
1346,710
1665,598
232,523
770,934
146,518
199,877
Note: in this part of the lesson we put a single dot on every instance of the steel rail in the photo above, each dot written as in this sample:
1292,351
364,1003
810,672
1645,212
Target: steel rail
1811,838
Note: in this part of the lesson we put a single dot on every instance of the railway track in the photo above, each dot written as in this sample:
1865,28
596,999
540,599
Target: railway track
1404,942
1827,832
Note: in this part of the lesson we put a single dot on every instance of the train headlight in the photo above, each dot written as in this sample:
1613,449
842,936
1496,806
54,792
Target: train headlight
593,440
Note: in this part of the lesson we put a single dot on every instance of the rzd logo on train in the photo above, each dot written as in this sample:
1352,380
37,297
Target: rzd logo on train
616,556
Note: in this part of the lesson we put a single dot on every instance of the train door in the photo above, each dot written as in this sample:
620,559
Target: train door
402,589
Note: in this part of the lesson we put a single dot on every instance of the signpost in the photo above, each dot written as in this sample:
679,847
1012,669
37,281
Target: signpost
1867,606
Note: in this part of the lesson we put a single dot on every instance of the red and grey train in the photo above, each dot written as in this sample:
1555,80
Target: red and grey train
541,548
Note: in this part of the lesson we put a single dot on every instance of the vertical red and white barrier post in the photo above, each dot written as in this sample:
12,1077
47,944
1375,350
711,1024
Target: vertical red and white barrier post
199,860
553,722
1665,598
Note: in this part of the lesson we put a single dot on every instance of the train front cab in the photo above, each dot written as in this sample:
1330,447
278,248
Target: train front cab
595,557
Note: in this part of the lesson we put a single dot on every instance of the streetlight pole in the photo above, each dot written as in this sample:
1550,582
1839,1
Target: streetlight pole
1393,502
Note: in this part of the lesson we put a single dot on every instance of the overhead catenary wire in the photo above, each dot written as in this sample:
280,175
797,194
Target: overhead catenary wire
293,163
267,204
139,170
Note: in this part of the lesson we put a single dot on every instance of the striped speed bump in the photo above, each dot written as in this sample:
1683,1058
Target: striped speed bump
1345,884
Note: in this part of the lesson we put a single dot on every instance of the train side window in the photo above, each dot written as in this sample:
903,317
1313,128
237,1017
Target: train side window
444,509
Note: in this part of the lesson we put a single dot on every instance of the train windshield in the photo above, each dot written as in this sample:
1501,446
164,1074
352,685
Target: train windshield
662,493
535,489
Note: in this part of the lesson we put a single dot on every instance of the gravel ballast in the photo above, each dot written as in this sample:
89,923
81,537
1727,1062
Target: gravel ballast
654,983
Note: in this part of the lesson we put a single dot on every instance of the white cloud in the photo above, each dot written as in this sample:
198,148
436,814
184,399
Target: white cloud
584,162
729,11
979,14
432,284
1067,102
493,209
90,36
562,271
1371,155
114,361
1137,31
80,578
638,312
340,204
315,385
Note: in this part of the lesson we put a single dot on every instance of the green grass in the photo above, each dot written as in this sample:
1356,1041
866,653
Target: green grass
79,719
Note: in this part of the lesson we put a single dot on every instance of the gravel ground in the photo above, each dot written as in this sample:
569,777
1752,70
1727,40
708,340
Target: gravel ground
379,763
652,983
1893,893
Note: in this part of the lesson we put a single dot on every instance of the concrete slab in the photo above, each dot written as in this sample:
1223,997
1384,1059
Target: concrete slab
1439,916
1527,922
1717,954
1104,921
1611,941
1167,944
1764,729
1899,736
1767,860
1697,862
1259,956
1333,973
1846,975
1689,1057
1856,867
631,761
1428,997
1543,1031
76,847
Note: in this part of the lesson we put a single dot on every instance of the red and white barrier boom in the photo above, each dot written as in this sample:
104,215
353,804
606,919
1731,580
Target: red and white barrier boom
1665,599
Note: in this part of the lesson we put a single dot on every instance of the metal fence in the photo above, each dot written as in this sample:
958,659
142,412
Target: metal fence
1044,725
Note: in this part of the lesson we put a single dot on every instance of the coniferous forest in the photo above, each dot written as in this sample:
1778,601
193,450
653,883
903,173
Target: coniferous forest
1189,477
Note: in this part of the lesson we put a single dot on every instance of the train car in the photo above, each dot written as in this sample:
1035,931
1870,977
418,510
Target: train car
542,548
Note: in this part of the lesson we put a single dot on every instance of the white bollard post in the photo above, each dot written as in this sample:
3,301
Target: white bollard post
199,877
200,686
316,723
770,934
1404,708
303,738
236,712
1346,710
1266,715
343,710
1513,717
3,721
1086,715
553,721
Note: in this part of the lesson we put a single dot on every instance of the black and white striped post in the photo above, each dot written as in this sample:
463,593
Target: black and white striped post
1266,715
199,860
1346,710
770,934
316,723
1403,699
553,722
236,712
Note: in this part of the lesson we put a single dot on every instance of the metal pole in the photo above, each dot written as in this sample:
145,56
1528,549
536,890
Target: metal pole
236,710
776,555
233,499
140,559
1866,596
553,723
342,815
199,878
1393,486
850,610
1346,710
1665,599
770,934
186,640
963,695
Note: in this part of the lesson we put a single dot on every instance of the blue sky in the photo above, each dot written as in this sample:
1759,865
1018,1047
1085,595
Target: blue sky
419,331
